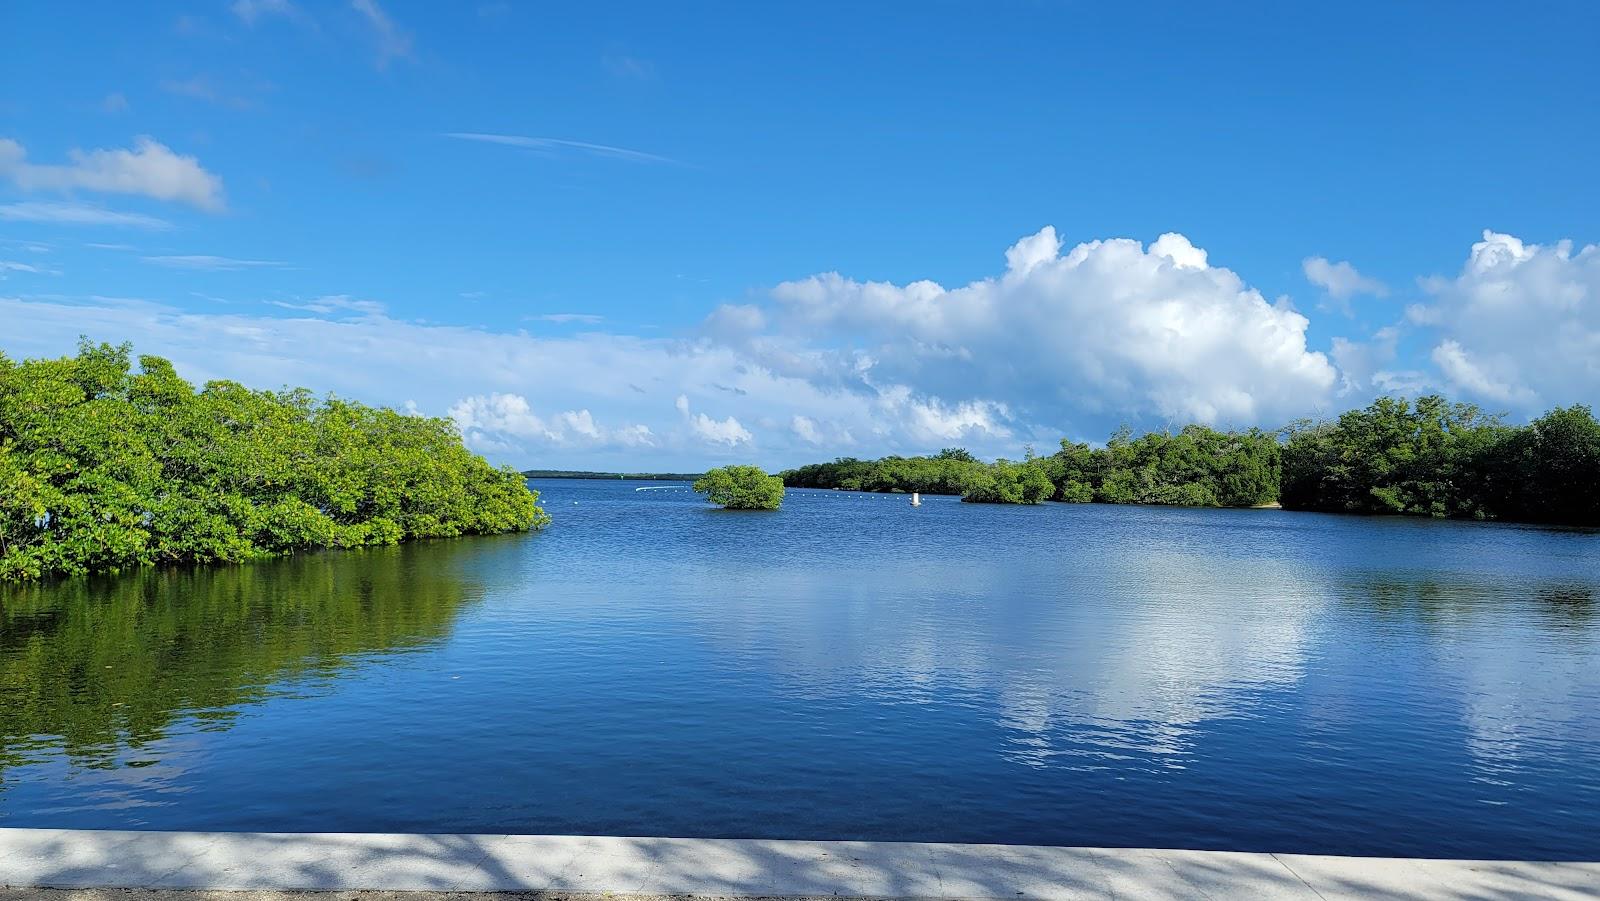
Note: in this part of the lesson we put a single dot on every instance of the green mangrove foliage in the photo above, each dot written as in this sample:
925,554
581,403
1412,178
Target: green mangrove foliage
99,667
1194,467
1427,457
103,468
1435,458
1549,471
620,476
741,488
948,472
1009,483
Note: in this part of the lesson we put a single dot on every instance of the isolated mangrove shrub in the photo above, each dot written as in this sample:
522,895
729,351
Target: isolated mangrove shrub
741,488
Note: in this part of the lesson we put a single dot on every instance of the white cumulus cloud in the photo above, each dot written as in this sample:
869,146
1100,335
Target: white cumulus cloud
1106,327
1520,324
504,421
728,432
1370,367
719,431
805,429
1341,280
148,169
1491,380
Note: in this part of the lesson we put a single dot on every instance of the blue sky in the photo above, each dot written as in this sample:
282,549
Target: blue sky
647,235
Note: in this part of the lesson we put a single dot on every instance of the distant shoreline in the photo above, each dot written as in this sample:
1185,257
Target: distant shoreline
622,476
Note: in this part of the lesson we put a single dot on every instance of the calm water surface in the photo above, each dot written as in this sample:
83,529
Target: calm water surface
847,668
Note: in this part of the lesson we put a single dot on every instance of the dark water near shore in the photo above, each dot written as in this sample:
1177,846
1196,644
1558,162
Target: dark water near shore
846,668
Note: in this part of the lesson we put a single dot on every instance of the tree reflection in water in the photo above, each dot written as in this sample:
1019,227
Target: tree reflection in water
96,667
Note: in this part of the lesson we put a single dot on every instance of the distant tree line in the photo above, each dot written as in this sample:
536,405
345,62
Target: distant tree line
625,476
103,468
1430,457
950,471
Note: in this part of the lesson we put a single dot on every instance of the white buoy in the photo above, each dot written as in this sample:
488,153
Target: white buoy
916,498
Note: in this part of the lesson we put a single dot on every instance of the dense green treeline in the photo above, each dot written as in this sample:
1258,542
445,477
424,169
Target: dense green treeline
1009,483
1194,467
948,472
1430,457
1435,458
622,476
103,467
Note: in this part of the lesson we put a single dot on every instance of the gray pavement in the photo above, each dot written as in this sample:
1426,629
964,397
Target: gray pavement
578,866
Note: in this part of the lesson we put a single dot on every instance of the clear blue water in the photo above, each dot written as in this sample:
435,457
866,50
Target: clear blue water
845,668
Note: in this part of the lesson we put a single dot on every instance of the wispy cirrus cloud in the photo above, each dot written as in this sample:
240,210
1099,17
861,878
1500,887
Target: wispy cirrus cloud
209,262
394,42
29,268
252,11
557,145
148,169
628,68
202,87
77,214
29,246
332,304
585,318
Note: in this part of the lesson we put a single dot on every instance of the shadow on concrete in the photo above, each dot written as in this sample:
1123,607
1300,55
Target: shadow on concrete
573,866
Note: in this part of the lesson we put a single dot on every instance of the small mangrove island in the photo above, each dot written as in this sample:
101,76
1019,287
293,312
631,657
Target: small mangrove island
1428,457
103,468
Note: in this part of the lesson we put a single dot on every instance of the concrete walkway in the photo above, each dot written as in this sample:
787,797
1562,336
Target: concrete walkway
561,866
